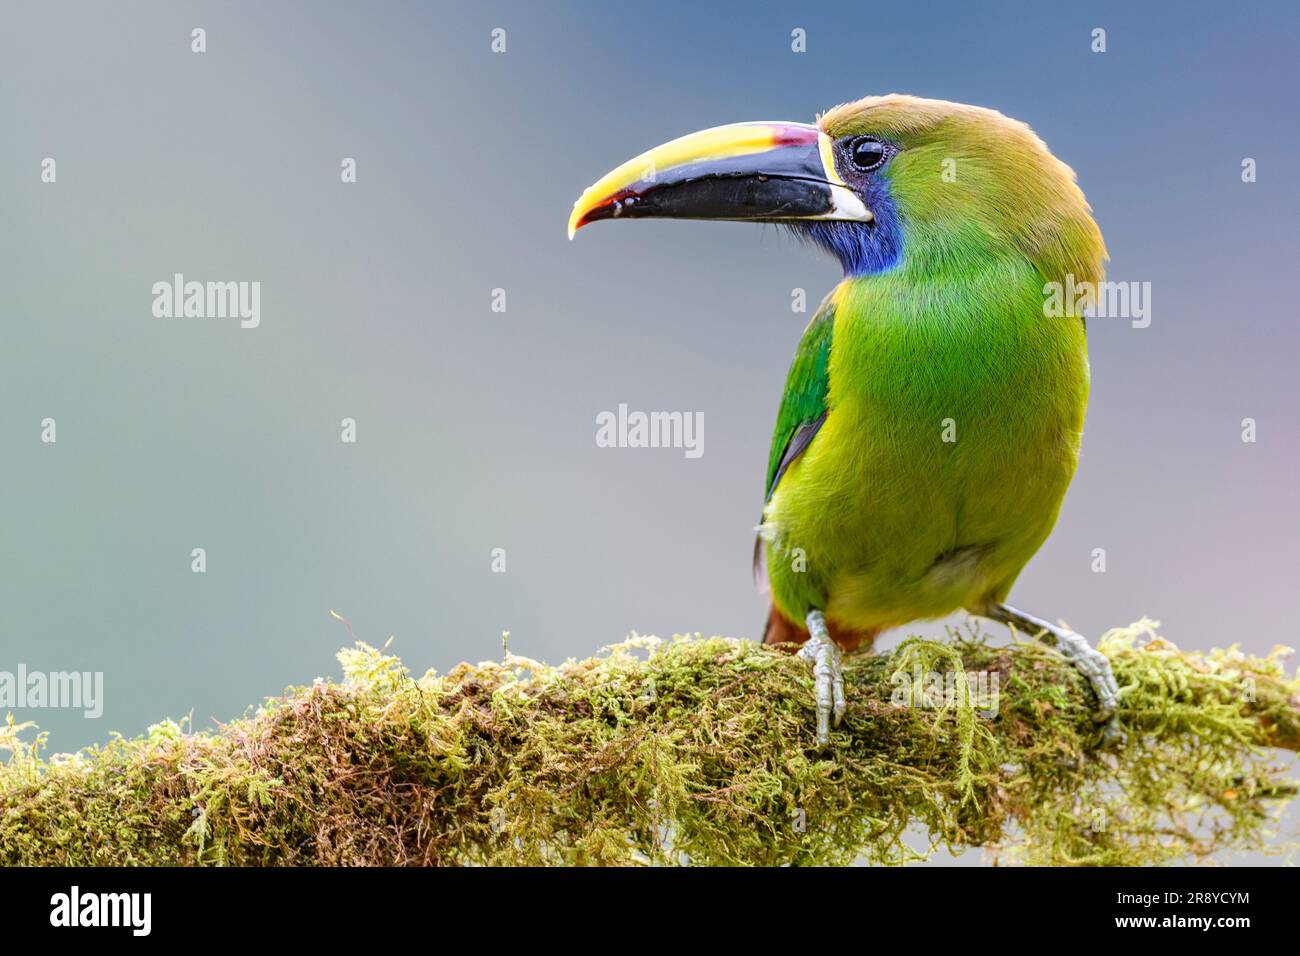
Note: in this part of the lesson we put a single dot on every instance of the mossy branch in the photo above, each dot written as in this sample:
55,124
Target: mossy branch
690,751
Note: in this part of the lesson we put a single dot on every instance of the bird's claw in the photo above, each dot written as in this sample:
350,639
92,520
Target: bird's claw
828,675
1092,663
1112,733
1095,666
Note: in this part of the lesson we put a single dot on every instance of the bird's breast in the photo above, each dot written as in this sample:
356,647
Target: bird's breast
947,448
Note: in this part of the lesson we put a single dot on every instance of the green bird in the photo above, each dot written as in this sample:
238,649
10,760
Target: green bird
932,415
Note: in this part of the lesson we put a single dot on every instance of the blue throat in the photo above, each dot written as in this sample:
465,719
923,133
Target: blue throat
863,248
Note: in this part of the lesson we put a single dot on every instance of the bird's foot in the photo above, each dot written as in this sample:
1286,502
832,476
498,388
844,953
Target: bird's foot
1095,666
1092,663
828,673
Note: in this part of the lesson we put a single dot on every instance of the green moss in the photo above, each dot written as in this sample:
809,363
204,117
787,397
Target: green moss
694,750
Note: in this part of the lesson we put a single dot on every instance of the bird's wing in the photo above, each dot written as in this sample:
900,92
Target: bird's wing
803,406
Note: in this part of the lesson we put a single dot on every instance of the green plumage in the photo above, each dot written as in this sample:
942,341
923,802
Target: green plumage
953,407
932,415
804,402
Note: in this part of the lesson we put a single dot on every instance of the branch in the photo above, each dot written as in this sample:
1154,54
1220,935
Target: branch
690,751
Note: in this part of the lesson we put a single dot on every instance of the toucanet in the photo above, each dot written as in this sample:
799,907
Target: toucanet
932,415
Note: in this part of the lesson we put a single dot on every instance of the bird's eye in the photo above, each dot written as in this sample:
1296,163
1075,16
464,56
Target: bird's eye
867,153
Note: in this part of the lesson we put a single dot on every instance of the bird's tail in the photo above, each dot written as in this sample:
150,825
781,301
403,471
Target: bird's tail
781,630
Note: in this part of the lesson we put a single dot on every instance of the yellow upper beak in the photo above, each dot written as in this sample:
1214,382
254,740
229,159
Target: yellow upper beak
744,171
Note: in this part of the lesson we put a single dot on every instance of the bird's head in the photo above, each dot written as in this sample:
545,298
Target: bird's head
885,182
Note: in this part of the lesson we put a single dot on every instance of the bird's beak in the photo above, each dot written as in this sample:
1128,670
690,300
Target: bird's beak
756,172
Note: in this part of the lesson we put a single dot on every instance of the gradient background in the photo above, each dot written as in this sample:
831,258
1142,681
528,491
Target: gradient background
476,429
